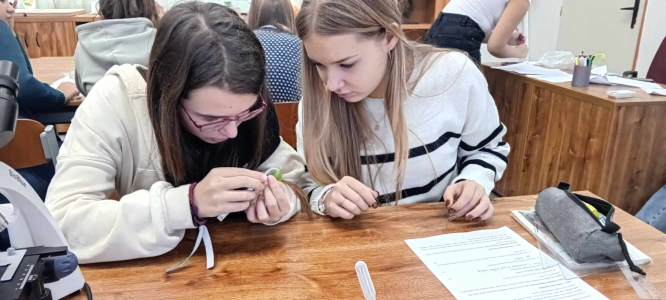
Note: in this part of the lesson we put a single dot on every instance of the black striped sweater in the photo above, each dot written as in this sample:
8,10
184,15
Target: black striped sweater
454,135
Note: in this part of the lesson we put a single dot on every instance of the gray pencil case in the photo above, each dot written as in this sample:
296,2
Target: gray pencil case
586,238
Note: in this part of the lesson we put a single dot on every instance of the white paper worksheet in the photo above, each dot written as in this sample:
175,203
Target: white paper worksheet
497,264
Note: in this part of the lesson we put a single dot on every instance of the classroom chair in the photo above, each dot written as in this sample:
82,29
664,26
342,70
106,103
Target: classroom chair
33,145
657,71
31,151
287,114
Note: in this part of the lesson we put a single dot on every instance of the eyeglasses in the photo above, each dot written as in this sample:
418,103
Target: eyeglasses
217,125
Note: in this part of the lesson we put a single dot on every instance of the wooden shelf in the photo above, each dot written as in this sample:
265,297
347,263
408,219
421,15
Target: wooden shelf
82,18
421,26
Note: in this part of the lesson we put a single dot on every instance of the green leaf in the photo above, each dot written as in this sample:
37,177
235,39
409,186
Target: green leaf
275,173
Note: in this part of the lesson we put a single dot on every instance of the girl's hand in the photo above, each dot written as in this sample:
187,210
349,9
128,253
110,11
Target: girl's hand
272,204
517,38
349,198
468,198
224,190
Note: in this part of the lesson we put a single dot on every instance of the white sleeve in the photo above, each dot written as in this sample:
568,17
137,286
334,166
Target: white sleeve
482,153
311,188
293,167
142,224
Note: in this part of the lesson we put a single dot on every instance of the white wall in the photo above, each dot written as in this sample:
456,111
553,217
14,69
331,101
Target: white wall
654,31
544,26
243,4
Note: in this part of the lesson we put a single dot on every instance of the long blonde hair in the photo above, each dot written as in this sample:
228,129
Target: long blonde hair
335,130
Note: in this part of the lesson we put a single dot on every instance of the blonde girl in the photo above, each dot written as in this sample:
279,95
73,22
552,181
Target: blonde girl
386,120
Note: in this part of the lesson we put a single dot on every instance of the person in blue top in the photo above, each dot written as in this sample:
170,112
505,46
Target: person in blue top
654,211
273,24
33,94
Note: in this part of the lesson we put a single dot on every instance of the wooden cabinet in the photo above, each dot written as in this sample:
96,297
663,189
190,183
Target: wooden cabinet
51,38
48,36
27,34
57,38
613,148
422,14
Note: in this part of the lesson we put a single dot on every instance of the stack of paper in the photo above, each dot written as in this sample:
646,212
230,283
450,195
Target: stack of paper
599,76
632,82
658,92
497,264
529,69
66,78
536,72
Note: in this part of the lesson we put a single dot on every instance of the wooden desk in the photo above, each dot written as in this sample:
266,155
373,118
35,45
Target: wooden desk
81,18
615,148
50,69
305,259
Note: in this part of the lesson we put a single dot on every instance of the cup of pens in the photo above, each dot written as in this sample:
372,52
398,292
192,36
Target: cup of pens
582,70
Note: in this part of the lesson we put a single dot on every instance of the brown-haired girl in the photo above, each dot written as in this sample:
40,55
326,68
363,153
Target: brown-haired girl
123,36
186,139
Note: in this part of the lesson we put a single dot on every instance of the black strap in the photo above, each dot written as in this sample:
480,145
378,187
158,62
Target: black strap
563,186
610,227
625,252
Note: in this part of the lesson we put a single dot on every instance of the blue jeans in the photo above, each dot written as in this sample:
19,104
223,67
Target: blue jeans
457,32
654,211
39,177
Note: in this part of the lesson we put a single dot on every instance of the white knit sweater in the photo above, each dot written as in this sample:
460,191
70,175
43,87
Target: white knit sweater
454,135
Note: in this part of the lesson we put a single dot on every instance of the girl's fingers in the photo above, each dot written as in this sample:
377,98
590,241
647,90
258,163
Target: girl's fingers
262,213
466,195
480,208
336,211
489,213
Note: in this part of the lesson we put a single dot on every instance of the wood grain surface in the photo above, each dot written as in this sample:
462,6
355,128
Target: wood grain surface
635,165
57,39
50,69
577,135
595,93
314,259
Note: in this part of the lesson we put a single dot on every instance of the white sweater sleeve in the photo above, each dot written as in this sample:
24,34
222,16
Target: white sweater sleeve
142,224
482,153
311,188
292,168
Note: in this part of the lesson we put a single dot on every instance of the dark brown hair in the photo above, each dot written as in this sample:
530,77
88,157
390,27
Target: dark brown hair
199,44
125,9
278,13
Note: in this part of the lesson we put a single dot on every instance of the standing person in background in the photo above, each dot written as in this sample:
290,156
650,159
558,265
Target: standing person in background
273,23
124,36
34,94
465,24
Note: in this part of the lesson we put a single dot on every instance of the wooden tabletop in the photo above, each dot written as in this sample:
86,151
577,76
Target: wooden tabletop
314,259
50,69
595,93
81,18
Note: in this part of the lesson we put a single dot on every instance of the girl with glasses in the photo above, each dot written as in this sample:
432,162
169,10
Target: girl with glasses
188,138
